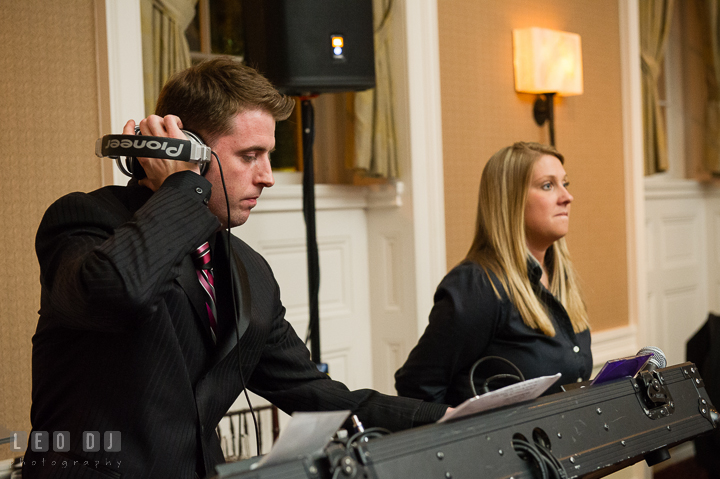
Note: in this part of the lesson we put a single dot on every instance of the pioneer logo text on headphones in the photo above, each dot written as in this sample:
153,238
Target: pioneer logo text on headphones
129,147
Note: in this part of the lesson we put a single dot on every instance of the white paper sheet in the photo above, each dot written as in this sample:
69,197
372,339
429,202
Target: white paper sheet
306,434
515,393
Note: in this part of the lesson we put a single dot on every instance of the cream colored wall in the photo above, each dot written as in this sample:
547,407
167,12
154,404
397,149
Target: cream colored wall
49,120
482,113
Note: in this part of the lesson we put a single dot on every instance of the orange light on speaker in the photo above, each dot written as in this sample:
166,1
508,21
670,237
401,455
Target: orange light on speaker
337,42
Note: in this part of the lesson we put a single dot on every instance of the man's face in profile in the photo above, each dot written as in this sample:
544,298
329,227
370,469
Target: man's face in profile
245,159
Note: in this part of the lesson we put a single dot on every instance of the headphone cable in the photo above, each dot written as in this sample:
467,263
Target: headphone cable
228,249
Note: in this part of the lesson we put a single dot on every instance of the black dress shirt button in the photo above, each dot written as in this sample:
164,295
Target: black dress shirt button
199,190
576,349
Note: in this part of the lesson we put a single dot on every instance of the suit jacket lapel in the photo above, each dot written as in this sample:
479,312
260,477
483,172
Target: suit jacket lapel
241,293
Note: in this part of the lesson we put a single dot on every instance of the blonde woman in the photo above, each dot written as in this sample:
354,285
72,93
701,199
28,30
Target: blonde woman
515,298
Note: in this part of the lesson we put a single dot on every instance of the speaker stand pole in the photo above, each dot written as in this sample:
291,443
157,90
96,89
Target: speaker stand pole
313,259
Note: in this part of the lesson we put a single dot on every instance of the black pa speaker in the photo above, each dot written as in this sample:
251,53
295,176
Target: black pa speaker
311,46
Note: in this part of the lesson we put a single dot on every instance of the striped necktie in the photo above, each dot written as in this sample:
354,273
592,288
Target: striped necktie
201,258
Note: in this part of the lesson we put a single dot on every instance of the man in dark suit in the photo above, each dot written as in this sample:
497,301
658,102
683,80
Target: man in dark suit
127,340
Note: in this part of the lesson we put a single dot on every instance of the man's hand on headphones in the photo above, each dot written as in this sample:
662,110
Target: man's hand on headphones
158,169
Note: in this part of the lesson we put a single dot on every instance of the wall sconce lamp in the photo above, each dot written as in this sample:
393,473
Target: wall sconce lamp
547,62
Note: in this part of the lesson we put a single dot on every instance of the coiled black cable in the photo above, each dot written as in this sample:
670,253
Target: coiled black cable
541,457
485,386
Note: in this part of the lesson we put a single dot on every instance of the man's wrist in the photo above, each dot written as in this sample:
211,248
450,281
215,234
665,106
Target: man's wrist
190,182
429,412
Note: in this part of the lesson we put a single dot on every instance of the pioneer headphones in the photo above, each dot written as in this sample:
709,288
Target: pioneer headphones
125,149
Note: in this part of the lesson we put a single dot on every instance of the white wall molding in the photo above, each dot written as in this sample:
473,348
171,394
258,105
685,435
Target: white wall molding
386,196
638,301
392,276
285,197
125,68
634,165
667,188
679,267
327,197
428,196
288,256
394,359
614,343
278,234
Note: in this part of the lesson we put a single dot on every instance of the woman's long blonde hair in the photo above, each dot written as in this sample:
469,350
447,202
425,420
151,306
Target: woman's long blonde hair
500,244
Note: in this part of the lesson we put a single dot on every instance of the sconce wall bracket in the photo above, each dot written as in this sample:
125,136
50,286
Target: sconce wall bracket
543,111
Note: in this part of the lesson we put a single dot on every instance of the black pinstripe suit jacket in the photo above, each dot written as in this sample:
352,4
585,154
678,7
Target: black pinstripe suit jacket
123,342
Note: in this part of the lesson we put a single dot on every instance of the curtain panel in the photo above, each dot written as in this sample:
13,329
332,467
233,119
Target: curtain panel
711,150
165,49
655,18
375,138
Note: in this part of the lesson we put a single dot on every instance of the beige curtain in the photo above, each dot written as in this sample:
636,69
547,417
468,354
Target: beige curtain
712,109
654,28
375,144
165,49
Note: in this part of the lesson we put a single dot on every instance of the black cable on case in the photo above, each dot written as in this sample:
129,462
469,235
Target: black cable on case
367,434
532,455
541,457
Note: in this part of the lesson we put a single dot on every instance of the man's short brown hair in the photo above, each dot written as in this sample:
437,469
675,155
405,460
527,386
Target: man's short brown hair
207,96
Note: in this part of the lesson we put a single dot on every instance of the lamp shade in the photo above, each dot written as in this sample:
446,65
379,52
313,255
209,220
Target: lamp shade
547,61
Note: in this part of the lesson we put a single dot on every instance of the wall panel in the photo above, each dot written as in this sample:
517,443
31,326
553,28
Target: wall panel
681,280
49,122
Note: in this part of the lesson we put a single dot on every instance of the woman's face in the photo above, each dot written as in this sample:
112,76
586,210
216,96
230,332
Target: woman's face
547,211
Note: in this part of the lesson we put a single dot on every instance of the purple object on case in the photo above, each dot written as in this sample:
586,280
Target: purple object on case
620,368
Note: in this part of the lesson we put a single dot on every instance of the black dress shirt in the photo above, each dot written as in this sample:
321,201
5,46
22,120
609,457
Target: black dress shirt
469,321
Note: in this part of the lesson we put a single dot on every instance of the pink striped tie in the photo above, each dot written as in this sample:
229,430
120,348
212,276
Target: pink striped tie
201,257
